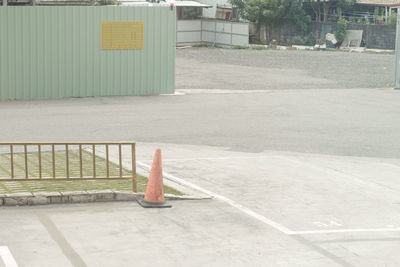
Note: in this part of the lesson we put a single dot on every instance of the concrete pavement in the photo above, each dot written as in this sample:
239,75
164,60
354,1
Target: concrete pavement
299,177
193,233
269,209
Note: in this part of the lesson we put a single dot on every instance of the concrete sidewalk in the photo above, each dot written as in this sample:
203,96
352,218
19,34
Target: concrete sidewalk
295,189
320,198
269,209
192,233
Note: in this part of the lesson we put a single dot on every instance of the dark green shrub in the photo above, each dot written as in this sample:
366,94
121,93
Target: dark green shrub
341,31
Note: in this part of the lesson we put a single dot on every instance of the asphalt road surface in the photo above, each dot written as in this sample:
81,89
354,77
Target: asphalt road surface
269,112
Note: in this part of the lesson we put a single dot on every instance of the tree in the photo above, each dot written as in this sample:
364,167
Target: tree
272,11
321,7
340,34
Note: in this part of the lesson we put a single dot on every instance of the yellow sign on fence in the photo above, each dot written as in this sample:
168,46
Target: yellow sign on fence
122,35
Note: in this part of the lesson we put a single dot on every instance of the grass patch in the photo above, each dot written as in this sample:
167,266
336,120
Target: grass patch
203,45
54,185
240,47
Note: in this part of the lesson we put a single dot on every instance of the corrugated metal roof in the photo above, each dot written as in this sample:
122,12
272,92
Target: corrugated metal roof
134,3
379,2
141,3
190,4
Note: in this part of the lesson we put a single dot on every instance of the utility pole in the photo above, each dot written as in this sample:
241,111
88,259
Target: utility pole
397,65
4,2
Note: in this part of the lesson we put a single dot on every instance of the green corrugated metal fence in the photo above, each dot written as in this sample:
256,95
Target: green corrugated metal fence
54,52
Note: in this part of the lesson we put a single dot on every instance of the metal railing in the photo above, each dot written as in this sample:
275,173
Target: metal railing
11,150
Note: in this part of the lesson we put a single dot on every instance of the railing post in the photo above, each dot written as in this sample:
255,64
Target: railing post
26,161
94,160
107,162
40,160
67,159
133,150
120,160
397,53
12,160
80,161
53,159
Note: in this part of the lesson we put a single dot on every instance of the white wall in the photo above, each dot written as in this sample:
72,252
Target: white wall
225,33
188,32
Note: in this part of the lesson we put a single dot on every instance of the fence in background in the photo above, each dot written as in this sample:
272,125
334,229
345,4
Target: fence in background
206,31
55,52
30,158
287,33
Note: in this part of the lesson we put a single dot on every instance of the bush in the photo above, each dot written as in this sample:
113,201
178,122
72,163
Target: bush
310,40
341,31
108,2
392,18
298,41
239,47
306,40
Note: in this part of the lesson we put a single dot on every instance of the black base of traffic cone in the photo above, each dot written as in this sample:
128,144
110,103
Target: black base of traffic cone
147,204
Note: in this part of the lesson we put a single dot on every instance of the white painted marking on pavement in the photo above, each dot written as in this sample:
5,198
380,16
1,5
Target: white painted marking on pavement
333,231
327,224
220,158
219,91
7,257
245,210
262,218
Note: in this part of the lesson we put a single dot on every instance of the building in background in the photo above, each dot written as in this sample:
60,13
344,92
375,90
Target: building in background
189,10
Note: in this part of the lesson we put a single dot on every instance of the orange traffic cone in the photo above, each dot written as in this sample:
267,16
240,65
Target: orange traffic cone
154,197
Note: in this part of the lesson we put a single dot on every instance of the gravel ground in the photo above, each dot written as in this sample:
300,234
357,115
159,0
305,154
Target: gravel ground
205,68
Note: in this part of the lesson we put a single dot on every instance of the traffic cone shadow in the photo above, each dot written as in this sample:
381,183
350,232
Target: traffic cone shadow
154,196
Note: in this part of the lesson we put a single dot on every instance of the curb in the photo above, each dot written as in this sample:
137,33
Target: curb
46,198
318,48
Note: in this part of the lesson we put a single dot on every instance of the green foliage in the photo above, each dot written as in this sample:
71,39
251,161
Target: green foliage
321,8
344,5
392,18
259,11
341,32
339,12
308,40
376,12
108,2
272,11
204,45
292,11
239,47
298,41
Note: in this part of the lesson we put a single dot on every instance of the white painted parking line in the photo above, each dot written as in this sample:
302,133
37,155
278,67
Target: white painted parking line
7,257
245,210
335,231
218,158
218,91
260,217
